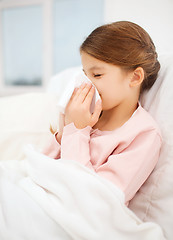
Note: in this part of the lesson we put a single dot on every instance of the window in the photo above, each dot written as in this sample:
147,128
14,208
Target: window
39,38
22,43
73,21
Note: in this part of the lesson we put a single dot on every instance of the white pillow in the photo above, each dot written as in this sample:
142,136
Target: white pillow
26,119
154,200
59,81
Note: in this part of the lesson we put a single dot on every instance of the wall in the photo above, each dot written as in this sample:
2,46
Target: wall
155,16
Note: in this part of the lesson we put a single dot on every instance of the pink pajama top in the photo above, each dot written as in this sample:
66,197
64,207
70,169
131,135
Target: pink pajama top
126,156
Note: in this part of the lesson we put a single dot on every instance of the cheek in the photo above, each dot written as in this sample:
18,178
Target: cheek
107,100
111,97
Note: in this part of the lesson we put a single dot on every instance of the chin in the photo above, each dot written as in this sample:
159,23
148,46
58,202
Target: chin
106,107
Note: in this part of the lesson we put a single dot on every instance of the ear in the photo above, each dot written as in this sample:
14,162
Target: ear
137,77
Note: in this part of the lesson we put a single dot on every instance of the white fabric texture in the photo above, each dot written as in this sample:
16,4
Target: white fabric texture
20,216
24,119
59,82
81,204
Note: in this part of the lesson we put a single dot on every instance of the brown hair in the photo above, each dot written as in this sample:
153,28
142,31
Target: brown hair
127,45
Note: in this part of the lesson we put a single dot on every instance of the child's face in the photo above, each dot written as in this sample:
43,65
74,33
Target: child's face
110,80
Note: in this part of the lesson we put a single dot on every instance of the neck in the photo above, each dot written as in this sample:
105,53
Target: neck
117,116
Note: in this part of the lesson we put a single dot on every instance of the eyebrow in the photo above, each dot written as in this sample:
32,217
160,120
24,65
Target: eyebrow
95,68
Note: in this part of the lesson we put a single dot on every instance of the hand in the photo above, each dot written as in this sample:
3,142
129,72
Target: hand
78,108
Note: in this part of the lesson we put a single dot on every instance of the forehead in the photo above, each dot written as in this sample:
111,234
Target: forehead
92,63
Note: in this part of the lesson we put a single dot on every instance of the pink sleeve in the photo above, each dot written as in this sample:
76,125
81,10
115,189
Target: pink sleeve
130,168
53,148
75,144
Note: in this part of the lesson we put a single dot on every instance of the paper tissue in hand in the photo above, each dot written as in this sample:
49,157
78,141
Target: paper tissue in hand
76,81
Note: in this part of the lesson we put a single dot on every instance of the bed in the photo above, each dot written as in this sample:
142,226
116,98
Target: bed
26,119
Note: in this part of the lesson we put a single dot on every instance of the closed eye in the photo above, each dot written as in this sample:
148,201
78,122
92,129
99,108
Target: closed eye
97,75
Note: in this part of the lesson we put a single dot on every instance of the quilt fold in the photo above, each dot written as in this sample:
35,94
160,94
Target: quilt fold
80,203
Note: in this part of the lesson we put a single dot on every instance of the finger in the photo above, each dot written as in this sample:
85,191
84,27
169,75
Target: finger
97,111
89,96
84,92
78,92
74,93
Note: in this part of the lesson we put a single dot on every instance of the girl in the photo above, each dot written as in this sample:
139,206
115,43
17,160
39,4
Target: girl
120,140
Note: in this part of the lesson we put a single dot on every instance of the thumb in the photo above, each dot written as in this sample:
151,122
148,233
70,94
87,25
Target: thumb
97,111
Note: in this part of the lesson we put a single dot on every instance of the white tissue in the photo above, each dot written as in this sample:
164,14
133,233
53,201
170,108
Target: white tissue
76,81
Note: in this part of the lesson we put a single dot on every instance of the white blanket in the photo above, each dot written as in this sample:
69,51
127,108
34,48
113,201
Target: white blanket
43,198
